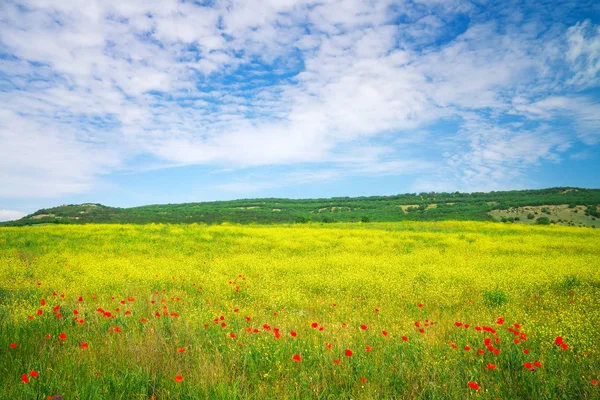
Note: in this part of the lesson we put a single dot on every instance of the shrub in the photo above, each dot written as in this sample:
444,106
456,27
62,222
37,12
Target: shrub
542,221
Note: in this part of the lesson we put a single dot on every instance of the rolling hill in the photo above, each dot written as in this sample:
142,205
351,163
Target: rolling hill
561,205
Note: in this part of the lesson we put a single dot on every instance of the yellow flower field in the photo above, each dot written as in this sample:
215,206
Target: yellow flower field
444,310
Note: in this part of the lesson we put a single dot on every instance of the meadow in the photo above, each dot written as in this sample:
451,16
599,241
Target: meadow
406,310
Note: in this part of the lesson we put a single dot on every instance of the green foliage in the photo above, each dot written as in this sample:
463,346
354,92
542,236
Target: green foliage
494,298
402,207
542,221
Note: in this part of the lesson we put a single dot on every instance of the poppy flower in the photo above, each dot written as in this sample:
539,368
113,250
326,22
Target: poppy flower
558,340
363,327
314,325
62,336
528,365
458,324
526,351
405,338
80,299
594,382
537,364
84,345
24,378
564,346
348,353
517,341
491,366
337,361
474,385
178,378
384,333
420,305
293,333
13,345
500,321
466,326
232,335
369,348
43,302
296,358
34,374
480,351
39,312
328,345
181,349
363,380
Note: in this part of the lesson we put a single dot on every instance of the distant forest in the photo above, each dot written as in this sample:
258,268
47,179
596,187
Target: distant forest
402,207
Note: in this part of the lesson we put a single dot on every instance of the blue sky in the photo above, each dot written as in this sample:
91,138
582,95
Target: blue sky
165,101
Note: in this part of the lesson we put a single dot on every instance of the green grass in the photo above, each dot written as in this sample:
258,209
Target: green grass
386,276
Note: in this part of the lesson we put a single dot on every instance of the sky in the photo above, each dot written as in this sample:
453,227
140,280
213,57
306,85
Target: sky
137,102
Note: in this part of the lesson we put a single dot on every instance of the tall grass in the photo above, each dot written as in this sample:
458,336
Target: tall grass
203,302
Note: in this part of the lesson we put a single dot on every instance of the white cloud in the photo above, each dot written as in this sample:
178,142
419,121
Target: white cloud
11,215
244,84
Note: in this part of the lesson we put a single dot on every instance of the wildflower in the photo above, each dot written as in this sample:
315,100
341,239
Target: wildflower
62,336
420,305
405,338
526,351
458,324
363,327
369,348
474,385
24,378
537,364
13,345
467,348
337,361
34,374
296,358
348,353
232,335
178,378
594,382
384,333
328,345
84,345
363,379
480,351
314,325
491,366
293,333
181,349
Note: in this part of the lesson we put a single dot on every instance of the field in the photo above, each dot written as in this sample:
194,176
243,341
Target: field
410,310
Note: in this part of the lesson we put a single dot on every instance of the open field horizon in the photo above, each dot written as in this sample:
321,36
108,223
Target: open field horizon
440,310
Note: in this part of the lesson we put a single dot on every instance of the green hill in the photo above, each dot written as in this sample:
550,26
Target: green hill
506,206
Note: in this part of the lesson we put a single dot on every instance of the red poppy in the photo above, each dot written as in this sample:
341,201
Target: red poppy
80,299
491,366
34,373
314,325
43,302
517,341
466,326
500,321
537,364
62,336
594,382
39,312
467,348
48,336
384,333
369,348
558,340
564,346
474,385
363,327
420,305
348,353
528,365
84,345
181,349
337,361
458,324
480,351
328,345
293,333
363,380
13,345
248,319
24,378
405,338
178,378
526,351
296,358
232,335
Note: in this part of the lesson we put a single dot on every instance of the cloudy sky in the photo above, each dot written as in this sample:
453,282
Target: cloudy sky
155,101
